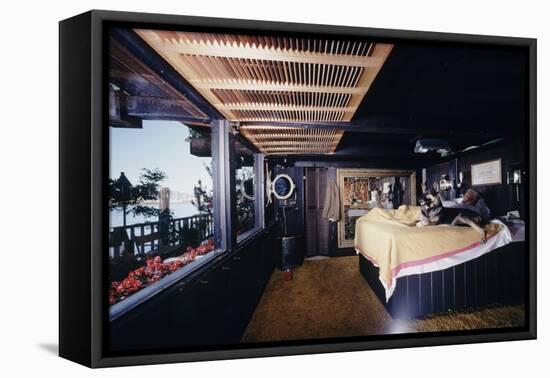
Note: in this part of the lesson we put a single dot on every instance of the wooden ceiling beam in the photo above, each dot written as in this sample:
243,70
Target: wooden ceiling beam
153,108
296,148
258,85
297,151
211,45
263,137
280,107
252,138
310,118
293,140
306,145
409,126
276,55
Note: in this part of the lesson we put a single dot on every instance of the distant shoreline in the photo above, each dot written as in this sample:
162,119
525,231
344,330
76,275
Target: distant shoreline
180,209
156,202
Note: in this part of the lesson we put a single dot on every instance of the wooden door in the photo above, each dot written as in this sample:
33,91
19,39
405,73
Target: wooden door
317,228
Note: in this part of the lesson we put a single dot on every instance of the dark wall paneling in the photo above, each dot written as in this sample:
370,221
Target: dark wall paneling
497,277
413,293
294,215
500,198
493,286
437,291
434,173
399,297
471,286
425,294
481,284
370,273
459,285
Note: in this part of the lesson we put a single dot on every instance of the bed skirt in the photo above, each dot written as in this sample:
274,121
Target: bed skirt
495,278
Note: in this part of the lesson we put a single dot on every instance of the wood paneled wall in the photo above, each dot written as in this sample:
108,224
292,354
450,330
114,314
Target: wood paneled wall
500,198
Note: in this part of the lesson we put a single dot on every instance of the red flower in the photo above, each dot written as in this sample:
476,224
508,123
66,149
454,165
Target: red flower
153,271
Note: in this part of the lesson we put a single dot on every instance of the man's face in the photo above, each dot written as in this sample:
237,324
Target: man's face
468,197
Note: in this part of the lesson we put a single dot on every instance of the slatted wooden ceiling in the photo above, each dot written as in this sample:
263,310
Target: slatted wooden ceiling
275,140
276,79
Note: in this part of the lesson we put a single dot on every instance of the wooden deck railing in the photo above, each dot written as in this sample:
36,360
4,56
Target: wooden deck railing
142,238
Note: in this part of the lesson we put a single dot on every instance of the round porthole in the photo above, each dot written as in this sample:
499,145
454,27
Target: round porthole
247,189
282,186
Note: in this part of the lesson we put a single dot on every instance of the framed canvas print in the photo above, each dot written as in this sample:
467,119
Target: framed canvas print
234,188
487,173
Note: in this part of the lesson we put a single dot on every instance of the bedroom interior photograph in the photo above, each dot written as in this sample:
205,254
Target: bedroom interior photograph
268,187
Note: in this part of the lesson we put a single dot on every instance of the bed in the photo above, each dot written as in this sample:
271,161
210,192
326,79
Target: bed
416,271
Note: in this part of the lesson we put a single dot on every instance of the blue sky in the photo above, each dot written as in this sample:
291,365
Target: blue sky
159,144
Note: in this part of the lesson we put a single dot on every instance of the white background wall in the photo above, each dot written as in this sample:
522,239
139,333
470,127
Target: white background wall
29,175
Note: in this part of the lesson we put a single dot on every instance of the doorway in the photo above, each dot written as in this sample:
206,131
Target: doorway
317,228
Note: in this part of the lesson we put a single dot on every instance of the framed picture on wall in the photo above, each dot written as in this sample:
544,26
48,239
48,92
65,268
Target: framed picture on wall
172,244
487,173
355,186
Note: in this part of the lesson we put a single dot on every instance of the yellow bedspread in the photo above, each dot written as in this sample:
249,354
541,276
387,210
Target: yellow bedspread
391,240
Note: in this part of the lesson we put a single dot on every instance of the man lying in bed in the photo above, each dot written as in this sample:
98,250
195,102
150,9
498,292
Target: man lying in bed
392,242
473,201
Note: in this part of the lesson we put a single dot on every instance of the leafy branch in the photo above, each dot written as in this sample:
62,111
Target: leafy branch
123,195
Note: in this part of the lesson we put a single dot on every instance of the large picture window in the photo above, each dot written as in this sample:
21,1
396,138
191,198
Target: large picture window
160,203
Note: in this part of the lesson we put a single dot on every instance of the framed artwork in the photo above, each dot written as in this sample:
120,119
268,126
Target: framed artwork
487,173
185,147
364,189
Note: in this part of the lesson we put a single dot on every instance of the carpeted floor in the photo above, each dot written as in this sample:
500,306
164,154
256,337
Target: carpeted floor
329,298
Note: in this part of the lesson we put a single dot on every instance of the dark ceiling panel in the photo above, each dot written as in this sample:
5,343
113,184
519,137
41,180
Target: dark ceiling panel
472,88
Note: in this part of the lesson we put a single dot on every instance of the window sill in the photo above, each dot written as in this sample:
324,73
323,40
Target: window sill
122,307
248,234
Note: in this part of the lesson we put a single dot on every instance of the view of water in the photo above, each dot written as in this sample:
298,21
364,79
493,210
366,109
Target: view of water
178,209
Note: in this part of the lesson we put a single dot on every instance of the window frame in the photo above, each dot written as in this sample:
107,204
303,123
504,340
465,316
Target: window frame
223,172
220,152
223,182
224,212
259,199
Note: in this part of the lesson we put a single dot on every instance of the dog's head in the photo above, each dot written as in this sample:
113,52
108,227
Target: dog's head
430,196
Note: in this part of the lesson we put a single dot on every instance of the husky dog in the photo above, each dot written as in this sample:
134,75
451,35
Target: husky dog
433,213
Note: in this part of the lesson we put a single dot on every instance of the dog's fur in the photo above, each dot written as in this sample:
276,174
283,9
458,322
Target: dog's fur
433,213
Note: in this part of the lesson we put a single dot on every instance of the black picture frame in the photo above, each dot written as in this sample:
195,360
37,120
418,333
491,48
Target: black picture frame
83,163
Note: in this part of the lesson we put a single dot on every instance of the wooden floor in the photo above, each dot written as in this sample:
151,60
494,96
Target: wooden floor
329,298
